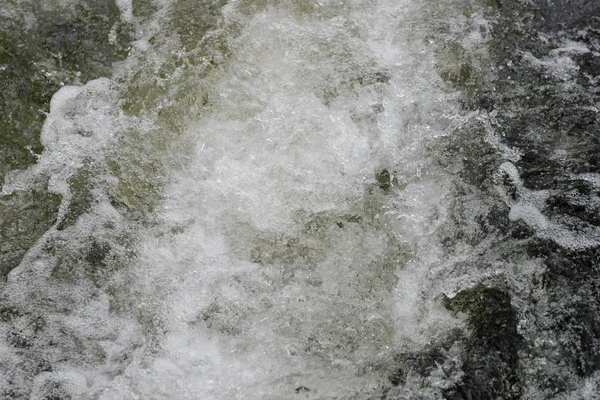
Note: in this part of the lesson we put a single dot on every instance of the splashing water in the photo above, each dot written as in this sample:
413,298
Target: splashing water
272,200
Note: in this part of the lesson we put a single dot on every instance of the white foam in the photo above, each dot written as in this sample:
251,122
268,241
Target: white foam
266,286
81,124
559,64
275,261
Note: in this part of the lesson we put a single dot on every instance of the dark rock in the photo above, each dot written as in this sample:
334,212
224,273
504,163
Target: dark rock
421,363
384,180
18,339
97,254
491,364
301,389
572,283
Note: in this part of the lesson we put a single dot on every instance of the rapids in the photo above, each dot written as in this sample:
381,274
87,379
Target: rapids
295,199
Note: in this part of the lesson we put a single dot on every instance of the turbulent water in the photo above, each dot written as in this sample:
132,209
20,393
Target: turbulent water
262,199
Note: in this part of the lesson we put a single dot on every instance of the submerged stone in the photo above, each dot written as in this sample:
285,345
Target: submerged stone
81,198
541,104
25,92
24,217
192,20
65,47
572,284
421,363
491,363
384,180
579,199
143,8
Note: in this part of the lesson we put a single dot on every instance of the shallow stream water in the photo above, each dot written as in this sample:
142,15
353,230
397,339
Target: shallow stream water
263,199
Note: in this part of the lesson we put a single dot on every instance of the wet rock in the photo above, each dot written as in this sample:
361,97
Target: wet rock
222,318
544,96
589,64
24,217
579,199
18,339
8,314
545,115
98,253
373,77
468,153
78,40
65,47
301,389
421,363
572,283
520,230
454,65
54,390
81,198
491,363
192,20
384,180
25,92
143,8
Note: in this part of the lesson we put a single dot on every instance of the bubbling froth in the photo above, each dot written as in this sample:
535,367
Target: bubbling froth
255,216
279,262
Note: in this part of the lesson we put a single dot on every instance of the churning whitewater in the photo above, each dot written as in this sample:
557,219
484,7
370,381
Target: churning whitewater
292,245
279,264
284,199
